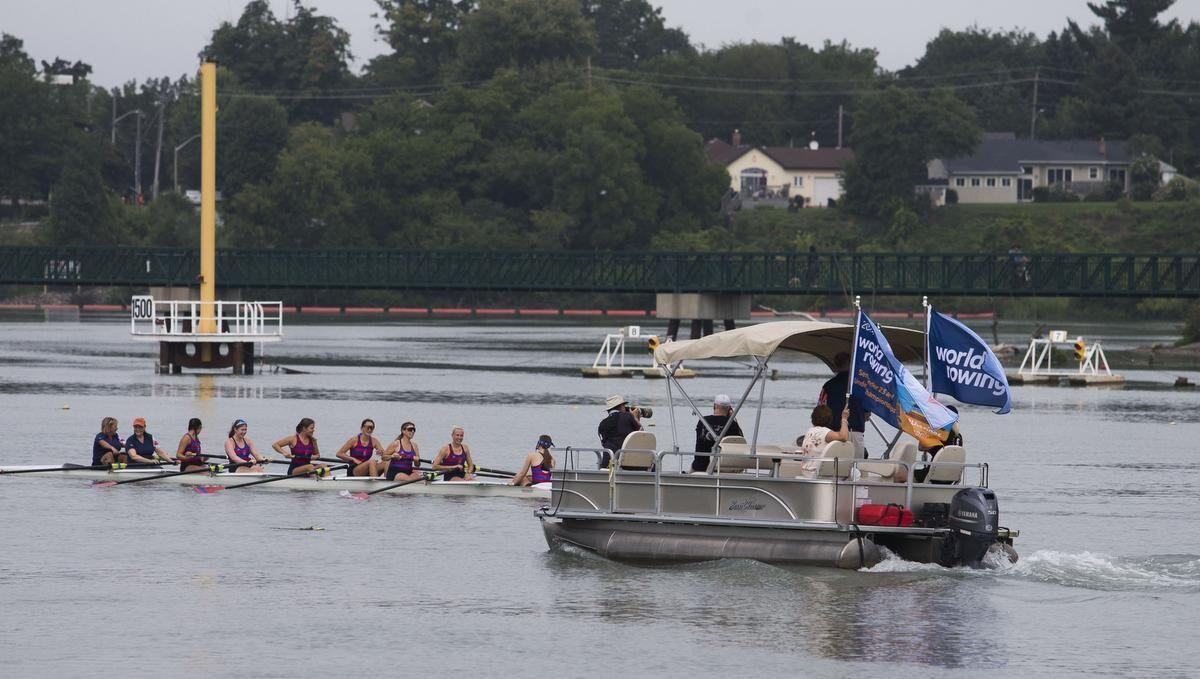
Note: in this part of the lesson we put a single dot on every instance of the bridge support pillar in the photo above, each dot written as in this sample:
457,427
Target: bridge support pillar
701,309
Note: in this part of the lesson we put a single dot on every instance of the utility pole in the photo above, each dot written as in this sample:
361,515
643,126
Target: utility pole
114,120
589,73
1037,74
839,126
137,159
162,110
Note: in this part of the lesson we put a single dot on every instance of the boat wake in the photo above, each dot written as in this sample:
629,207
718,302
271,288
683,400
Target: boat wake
1083,570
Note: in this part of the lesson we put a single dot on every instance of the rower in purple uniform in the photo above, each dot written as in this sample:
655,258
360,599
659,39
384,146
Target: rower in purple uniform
454,458
188,450
359,451
538,464
403,455
301,449
240,450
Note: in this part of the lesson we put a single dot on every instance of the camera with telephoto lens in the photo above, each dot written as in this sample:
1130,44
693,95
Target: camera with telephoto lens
643,411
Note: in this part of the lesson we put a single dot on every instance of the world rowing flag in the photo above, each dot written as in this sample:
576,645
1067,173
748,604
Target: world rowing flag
885,387
962,365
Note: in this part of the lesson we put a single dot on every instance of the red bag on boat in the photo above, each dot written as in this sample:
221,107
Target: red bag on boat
884,515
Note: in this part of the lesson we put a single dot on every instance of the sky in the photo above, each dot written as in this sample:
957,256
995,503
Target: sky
127,40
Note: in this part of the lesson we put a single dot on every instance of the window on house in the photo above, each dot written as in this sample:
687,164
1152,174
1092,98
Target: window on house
798,181
991,182
1060,175
974,181
959,181
1116,176
1093,173
1027,169
1006,182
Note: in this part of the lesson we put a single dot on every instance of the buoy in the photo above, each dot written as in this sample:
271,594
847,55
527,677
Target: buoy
66,407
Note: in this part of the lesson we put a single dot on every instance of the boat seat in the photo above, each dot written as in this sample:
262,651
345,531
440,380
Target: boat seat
835,450
944,473
733,439
637,452
735,457
884,470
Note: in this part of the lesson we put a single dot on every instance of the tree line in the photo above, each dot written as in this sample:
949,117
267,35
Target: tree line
552,123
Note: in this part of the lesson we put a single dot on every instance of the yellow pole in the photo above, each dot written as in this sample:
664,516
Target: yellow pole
208,197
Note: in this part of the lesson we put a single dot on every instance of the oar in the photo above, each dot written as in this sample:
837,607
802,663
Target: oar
501,472
428,476
478,472
79,467
210,468
213,489
283,461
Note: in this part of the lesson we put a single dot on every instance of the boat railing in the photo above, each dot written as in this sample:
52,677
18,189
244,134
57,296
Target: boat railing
845,483
188,318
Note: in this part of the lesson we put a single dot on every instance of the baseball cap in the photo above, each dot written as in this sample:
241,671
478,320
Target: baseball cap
722,400
139,421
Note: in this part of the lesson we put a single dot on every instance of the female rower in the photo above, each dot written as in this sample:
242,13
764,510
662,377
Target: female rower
188,450
359,450
240,450
537,464
301,448
106,447
454,458
142,447
403,455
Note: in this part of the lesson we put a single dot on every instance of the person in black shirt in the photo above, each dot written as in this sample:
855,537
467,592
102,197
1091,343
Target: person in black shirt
616,425
722,410
833,394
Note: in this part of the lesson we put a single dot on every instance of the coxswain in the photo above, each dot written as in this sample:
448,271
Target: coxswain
142,447
403,456
359,450
188,450
240,450
538,464
301,449
106,447
454,458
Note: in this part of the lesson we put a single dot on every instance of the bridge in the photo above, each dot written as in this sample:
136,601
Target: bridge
775,273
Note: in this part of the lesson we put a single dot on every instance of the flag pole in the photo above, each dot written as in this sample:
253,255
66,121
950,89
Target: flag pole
854,347
925,347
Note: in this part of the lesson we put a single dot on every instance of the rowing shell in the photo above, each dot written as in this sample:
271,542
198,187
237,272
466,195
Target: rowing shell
354,484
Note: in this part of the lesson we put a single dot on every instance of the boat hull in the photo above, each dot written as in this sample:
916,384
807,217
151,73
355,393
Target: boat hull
482,488
652,542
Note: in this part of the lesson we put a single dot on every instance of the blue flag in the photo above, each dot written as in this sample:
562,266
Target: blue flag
885,387
962,365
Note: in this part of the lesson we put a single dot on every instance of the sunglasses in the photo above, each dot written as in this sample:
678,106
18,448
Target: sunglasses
369,428
410,429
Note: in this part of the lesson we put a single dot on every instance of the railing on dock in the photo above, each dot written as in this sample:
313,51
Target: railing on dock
167,319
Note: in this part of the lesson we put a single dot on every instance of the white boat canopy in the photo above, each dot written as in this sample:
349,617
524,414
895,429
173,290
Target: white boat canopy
821,339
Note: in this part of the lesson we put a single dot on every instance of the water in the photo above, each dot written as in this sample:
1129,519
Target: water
147,580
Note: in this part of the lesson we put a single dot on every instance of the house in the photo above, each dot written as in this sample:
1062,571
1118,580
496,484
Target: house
1005,169
780,174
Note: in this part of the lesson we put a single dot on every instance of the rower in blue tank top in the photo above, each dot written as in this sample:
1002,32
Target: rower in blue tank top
240,449
454,458
403,456
538,464
359,451
106,446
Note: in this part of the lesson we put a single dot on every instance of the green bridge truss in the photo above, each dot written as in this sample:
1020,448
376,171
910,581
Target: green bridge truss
1056,275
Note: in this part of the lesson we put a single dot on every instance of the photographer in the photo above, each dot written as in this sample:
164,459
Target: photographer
620,422
722,409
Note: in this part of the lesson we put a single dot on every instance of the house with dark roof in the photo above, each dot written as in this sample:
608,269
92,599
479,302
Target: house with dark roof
781,173
1004,169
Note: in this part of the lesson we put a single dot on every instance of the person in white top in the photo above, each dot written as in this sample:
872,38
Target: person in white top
813,442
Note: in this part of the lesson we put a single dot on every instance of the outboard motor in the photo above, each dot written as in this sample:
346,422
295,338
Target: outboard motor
974,523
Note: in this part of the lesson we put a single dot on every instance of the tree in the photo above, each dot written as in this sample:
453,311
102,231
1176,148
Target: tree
520,34
1131,23
24,123
250,135
1145,177
81,211
896,134
423,35
629,32
305,55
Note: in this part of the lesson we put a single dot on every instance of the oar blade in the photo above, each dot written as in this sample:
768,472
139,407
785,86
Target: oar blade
208,490
354,496
103,484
